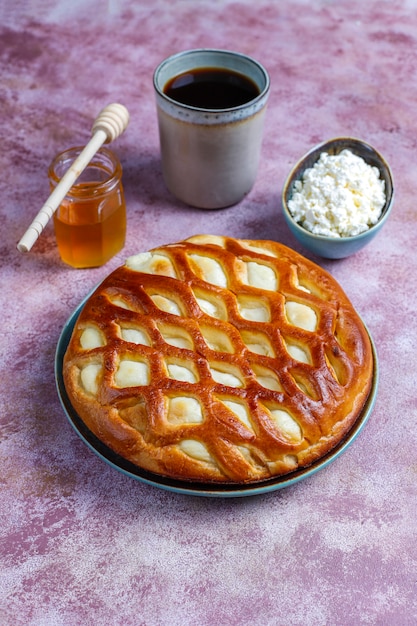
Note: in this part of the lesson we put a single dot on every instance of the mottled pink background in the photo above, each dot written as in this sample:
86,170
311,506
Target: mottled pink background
82,544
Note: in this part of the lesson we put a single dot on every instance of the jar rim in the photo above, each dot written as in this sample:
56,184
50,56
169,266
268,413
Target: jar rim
104,157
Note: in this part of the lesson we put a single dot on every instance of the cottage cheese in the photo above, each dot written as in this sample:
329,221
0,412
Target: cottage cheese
340,196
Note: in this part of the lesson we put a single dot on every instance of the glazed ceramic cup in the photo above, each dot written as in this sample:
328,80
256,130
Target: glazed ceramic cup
210,156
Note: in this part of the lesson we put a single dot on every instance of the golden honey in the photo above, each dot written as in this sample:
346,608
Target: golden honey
90,223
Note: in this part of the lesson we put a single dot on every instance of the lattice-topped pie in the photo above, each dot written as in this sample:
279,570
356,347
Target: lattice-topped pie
219,360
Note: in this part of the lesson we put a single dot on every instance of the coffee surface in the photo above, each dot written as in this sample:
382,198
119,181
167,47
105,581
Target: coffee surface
211,88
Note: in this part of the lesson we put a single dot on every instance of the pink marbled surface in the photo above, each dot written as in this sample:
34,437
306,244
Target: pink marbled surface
82,544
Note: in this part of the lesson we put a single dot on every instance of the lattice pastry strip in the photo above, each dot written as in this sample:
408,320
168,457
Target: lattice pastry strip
219,360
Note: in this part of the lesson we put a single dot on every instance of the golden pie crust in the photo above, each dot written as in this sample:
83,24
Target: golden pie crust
219,360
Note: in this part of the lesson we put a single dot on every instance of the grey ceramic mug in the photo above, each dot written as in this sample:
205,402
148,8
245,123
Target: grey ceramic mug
210,156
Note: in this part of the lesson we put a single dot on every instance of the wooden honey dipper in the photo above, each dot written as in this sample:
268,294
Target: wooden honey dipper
109,124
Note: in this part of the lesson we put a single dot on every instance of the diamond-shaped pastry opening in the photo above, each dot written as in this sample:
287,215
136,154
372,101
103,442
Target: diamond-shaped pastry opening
182,410
216,240
298,352
252,309
301,315
184,371
290,461
216,339
299,284
134,335
266,378
208,269
197,451
226,374
90,376
210,304
250,457
258,249
284,463
239,409
120,302
287,426
167,304
337,368
135,414
258,343
258,275
152,263
320,290
131,373
305,385
92,337
176,336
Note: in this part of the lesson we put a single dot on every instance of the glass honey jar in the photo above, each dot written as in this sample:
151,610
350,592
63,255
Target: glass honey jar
90,223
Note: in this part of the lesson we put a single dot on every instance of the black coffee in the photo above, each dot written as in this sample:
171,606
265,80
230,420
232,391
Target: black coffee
211,88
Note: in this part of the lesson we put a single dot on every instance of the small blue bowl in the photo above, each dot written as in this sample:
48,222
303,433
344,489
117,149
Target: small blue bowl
337,247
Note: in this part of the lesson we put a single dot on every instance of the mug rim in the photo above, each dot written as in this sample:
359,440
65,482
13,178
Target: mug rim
260,99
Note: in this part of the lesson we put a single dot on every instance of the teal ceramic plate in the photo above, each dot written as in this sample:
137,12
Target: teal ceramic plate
188,488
